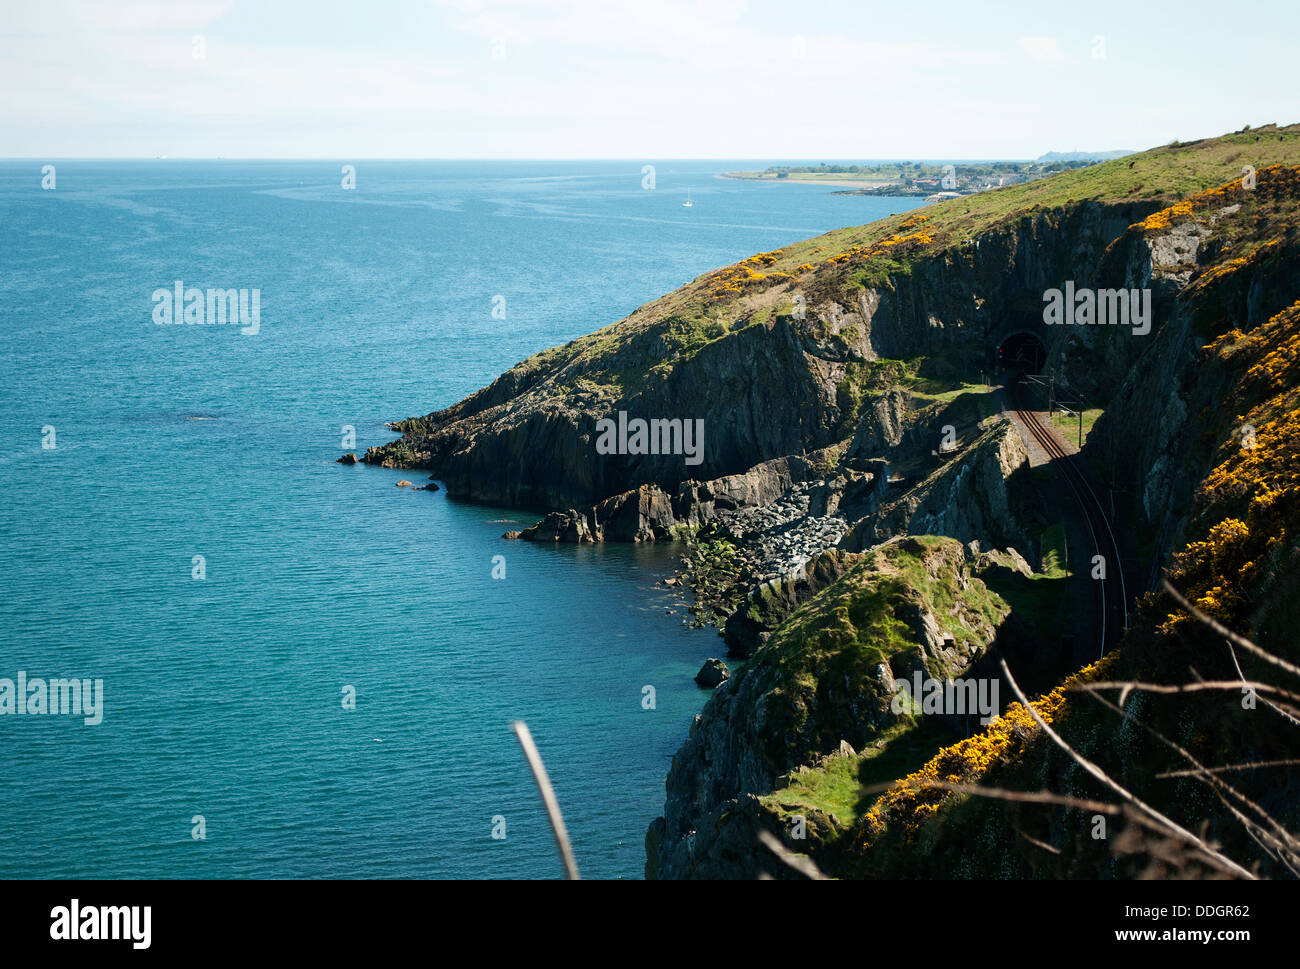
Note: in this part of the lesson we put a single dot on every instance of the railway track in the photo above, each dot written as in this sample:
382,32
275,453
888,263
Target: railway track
1112,608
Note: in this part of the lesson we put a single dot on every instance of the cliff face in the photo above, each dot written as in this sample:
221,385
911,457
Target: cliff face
766,385
762,392
1171,414
1198,440
821,683
973,498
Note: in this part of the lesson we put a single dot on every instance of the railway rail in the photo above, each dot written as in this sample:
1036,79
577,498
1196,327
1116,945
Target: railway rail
1112,596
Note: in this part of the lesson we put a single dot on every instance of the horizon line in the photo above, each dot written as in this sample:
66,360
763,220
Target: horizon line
555,158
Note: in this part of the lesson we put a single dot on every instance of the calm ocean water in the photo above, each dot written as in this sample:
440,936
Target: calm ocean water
222,696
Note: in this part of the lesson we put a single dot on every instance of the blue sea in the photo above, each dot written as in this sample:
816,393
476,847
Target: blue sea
181,450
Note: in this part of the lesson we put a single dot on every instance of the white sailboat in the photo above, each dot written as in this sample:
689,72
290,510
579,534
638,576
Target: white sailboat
688,203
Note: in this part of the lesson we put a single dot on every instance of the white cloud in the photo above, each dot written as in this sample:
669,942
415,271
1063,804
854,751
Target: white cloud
1041,48
65,16
580,78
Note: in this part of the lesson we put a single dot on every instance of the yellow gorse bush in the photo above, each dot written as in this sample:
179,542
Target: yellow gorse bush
1271,180
733,280
915,799
1254,491
896,244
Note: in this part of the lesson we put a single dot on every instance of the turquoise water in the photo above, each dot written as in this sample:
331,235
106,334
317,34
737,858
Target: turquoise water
222,696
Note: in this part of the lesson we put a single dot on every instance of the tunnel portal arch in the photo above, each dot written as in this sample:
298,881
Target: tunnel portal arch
1022,350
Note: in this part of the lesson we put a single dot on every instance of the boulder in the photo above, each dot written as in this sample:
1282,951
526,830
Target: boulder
712,673
349,458
640,515
560,526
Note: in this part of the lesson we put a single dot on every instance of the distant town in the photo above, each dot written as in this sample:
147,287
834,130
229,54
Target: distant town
929,180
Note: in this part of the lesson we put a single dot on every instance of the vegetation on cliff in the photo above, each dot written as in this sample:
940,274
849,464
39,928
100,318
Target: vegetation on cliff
824,682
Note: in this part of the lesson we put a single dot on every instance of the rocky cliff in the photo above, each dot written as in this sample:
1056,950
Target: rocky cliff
1197,444
822,683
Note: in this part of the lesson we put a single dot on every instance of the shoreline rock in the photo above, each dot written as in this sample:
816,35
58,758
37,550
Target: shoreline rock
712,673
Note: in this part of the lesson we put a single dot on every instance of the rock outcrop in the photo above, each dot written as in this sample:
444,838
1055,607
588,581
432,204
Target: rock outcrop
770,603
824,678
712,673
977,496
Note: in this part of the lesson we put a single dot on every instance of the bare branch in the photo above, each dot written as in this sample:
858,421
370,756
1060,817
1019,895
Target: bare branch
792,859
548,798
1268,703
1216,858
1200,687
1227,633
1254,765
1283,844
1038,844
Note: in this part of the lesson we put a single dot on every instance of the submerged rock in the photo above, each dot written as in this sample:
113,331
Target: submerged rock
404,484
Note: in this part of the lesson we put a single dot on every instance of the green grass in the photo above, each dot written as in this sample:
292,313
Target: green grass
1055,562
942,596
862,620
977,400
1067,425
928,388
843,786
1160,176
839,785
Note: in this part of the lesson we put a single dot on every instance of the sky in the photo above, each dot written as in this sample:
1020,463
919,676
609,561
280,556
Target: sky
635,79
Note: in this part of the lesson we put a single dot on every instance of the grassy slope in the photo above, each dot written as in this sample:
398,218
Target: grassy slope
829,649
841,635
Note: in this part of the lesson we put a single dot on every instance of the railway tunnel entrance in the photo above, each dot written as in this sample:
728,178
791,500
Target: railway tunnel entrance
1022,351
